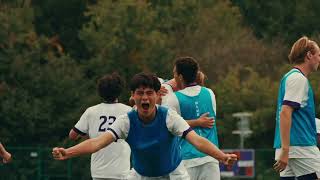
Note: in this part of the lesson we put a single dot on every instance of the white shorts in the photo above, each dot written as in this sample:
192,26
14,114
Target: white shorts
301,166
180,173
207,171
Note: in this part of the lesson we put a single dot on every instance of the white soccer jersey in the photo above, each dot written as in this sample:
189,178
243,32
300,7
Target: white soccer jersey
171,99
112,161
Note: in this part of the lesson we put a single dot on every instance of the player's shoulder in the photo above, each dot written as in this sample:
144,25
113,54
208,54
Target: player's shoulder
171,112
93,108
296,79
124,106
295,75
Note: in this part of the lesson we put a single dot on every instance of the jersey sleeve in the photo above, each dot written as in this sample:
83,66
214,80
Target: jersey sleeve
171,101
176,124
214,102
120,128
82,126
296,90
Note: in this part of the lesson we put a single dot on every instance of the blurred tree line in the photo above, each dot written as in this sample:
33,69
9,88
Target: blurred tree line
53,51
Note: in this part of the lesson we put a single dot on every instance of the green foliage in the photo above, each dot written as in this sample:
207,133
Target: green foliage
244,90
220,41
61,19
287,19
40,93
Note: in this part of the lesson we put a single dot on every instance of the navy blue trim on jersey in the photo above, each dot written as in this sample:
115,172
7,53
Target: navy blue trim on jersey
311,176
115,134
299,70
288,178
78,131
191,84
184,134
295,105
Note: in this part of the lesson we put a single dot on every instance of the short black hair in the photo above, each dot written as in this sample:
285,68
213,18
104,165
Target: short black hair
145,80
188,67
110,87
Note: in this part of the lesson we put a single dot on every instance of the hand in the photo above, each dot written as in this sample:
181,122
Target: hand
163,91
205,121
282,163
59,153
229,159
7,157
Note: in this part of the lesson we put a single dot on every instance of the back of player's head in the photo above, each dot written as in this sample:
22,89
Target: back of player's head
201,77
188,67
110,87
300,49
146,80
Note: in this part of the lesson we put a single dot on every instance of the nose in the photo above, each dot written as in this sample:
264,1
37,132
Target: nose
144,96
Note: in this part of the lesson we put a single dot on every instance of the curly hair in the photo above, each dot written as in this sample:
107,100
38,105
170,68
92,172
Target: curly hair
110,87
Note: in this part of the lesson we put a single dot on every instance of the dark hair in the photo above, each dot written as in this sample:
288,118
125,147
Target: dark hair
110,87
188,67
145,80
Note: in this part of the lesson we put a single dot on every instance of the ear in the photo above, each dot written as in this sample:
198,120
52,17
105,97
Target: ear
180,78
309,54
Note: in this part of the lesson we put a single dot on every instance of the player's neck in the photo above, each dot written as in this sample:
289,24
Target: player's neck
191,84
110,102
148,118
303,68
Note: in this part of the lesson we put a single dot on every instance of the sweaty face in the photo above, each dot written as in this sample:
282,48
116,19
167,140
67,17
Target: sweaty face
145,99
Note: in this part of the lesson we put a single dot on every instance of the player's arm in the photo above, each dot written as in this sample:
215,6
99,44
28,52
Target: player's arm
203,121
285,126
86,147
5,154
207,147
75,134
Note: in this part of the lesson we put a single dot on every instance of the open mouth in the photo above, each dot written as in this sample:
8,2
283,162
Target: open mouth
145,106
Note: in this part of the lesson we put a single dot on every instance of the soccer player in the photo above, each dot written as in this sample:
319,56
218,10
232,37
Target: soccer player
190,103
295,141
5,155
112,162
152,132
172,85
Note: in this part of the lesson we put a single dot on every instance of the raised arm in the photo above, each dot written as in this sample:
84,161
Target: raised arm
86,147
207,147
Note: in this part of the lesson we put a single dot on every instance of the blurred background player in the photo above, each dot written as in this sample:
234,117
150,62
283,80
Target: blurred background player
5,155
152,133
295,139
190,103
172,85
112,162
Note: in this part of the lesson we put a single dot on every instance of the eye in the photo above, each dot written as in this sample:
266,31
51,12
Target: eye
149,93
140,93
